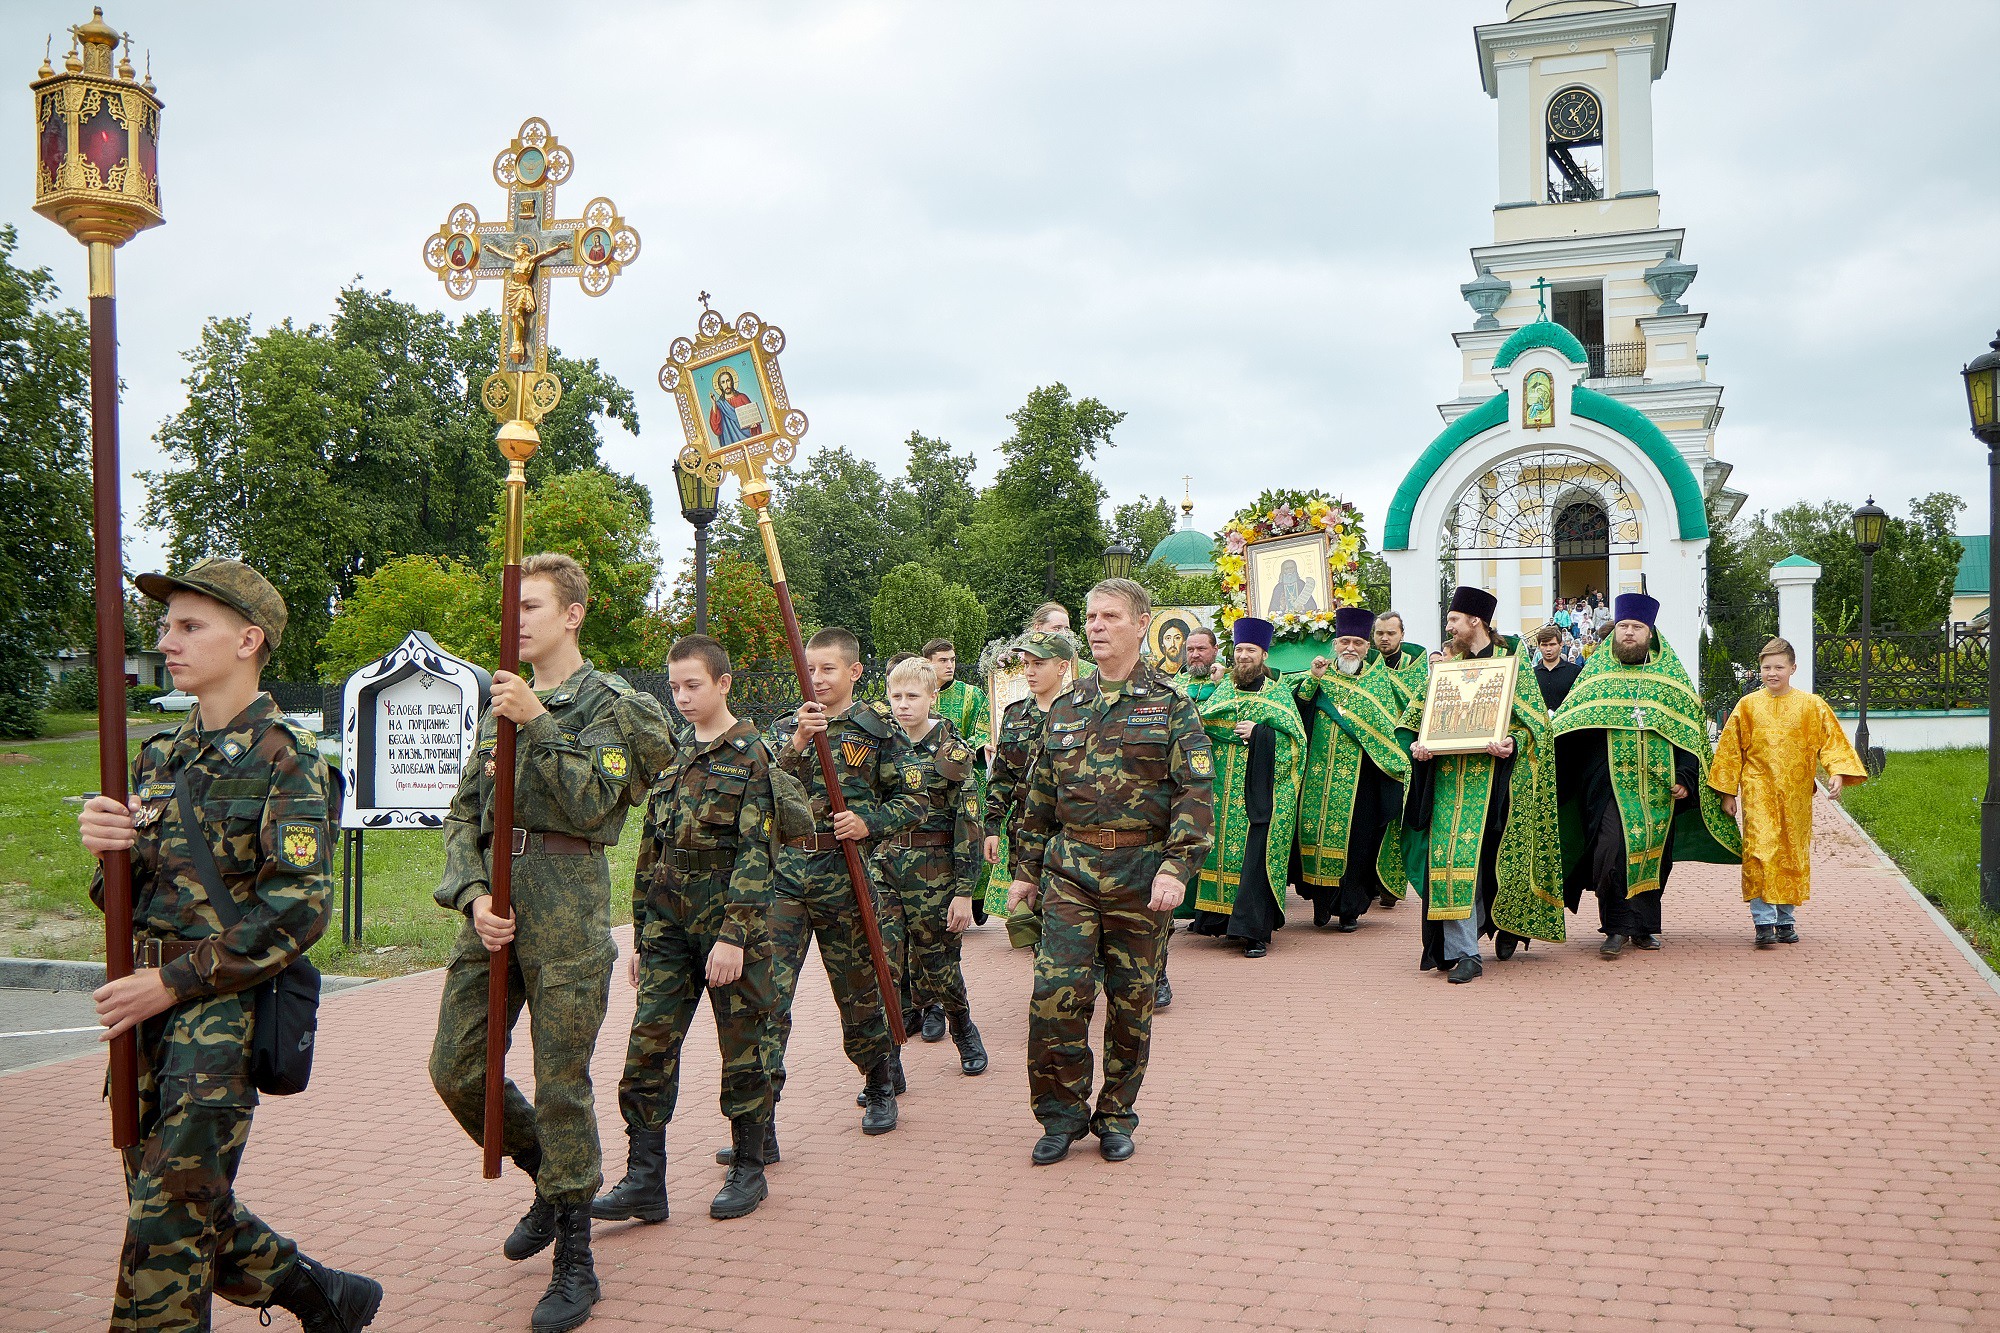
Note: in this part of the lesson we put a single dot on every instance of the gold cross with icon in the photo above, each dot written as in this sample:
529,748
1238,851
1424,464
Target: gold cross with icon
526,251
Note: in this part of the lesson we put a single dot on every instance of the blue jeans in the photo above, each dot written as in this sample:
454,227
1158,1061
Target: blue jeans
1461,937
1770,914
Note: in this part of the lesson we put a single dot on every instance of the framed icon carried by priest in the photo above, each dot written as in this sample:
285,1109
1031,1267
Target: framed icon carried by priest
1468,704
1287,576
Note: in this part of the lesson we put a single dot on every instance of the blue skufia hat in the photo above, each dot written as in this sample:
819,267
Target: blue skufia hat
1253,631
1636,606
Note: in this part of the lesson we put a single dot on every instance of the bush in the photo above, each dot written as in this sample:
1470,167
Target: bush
138,696
75,692
23,683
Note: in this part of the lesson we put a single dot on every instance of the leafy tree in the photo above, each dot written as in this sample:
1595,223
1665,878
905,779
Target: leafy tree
1170,587
916,605
1036,534
1914,570
45,563
1143,524
445,598
743,616
933,501
605,523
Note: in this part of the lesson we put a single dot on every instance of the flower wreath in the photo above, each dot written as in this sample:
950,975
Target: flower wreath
1284,513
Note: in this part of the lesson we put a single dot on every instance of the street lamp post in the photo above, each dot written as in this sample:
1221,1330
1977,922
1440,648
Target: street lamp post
1118,558
97,134
1982,394
700,492
1868,521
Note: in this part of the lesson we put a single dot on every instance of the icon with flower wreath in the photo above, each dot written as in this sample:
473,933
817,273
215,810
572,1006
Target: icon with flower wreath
1287,515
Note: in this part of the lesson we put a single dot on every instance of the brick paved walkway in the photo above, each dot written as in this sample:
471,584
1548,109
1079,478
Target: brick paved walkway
1704,1137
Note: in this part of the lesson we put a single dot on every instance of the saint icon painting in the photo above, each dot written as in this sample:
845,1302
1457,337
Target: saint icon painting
1287,577
736,410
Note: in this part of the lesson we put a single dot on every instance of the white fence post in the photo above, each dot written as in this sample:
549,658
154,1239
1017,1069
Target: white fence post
1794,577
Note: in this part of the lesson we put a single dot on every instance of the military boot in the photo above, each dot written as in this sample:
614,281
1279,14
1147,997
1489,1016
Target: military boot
727,1156
880,1098
327,1300
745,1188
643,1191
532,1234
573,1285
971,1050
896,1073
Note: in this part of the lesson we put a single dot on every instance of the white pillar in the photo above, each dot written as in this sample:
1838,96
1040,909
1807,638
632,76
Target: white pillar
1413,590
1635,119
1508,615
1794,577
1517,136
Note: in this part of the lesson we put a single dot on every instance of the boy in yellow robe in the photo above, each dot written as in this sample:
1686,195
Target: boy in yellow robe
1766,762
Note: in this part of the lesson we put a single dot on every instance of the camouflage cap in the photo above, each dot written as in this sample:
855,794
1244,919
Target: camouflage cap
1047,643
230,582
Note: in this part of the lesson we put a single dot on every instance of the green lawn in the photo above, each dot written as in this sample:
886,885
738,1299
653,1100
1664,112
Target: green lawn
45,908
1924,810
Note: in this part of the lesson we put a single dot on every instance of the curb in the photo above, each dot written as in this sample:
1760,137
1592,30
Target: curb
1944,926
59,974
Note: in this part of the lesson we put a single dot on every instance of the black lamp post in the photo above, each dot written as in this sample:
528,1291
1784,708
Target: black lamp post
1982,393
1118,558
699,493
1868,522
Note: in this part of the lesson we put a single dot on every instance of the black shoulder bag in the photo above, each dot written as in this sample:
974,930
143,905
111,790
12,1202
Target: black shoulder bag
285,1009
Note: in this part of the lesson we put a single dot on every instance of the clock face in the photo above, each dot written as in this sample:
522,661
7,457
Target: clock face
1574,114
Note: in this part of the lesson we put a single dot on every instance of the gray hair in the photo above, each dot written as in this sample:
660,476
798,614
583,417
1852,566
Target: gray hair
1134,595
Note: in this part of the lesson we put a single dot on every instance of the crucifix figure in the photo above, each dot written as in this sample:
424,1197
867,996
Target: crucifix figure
525,250
1639,718
1542,289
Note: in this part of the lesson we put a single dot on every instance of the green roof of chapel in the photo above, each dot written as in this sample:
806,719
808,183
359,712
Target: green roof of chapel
1186,549
1541,333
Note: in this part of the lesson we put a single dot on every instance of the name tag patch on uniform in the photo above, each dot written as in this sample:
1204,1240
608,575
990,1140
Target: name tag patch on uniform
612,763
1149,713
856,752
1078,725
298,845
156,791
729,770
1202,762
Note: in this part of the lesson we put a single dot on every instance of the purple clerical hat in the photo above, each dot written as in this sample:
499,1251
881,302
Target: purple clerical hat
1353,622
1253,631
1636,606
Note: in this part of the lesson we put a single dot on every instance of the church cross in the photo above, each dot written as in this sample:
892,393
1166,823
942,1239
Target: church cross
526,251
1543,288
1639,718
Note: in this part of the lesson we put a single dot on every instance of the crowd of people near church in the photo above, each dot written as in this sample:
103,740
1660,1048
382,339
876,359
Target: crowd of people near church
1108,799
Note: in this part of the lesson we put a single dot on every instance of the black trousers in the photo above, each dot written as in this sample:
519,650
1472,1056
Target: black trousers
1618,913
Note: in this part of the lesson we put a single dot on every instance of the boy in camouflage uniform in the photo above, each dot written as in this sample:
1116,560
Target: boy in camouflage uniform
261,797
932,870
587,749
884,788
701,897
1118,819
1046,652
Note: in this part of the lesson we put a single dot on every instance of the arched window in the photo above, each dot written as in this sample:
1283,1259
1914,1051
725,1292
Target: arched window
1582,529
1574,125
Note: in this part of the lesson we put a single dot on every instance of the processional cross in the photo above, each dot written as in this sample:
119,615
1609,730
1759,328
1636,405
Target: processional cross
526,250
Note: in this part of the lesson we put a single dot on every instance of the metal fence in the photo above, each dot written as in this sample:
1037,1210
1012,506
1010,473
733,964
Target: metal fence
1614,360
1924,670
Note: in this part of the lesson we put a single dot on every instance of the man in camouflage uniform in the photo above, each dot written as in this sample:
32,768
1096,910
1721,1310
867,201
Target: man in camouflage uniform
588,746
1117,821
883,784
263,800
701,897
932,870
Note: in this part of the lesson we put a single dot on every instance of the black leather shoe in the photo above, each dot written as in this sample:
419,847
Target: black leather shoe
1504,944
1788,934
727,1156
642,1194
327,1300
744,1188
533,1233
1349,924
573,1285
1648,942
1114,1147
878,1115
934,1028
1466,969
1256,949
1163,994
971,1050
1613,946
1767,937
1386,900
1051,1148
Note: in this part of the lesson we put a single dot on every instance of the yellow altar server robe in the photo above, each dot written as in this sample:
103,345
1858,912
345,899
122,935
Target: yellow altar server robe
1767,757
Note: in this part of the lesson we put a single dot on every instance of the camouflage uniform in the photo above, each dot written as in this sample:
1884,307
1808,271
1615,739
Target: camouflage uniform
260,793
1013,754
942,862
578,768
884,784
703,878
1134,768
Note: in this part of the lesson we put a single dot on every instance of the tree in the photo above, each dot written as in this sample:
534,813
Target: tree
916,604
1170,587
45,563
933,501
606,524
445,598
1036,534
1142,525
743,617
1914,570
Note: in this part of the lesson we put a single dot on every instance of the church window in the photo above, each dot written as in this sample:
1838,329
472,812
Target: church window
1575,129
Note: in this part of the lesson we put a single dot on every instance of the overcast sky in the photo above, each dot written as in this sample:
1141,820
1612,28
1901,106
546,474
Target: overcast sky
1243,224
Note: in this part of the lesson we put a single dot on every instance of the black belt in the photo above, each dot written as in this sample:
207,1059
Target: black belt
695,862
158,953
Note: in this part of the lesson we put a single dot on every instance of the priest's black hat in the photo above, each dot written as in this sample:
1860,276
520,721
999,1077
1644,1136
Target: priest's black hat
1470,601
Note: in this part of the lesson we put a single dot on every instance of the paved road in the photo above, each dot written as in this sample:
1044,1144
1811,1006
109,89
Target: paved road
40,1011
1705,1137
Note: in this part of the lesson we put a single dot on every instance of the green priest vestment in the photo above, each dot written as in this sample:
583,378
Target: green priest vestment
1351,716
1215,887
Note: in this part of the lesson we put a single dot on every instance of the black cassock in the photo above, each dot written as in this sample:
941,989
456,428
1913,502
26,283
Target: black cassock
1378,803
1584,773
1256,913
